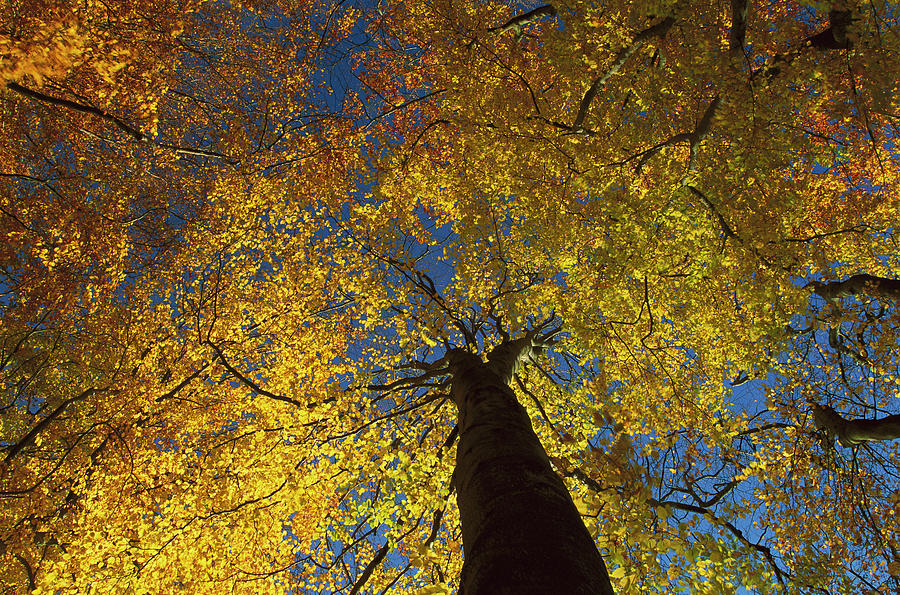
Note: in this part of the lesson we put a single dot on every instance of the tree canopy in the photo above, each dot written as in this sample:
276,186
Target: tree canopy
258,253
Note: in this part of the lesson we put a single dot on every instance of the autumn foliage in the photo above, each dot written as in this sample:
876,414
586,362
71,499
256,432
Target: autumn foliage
251,251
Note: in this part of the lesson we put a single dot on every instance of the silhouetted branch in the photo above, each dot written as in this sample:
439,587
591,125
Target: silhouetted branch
41,425
131,131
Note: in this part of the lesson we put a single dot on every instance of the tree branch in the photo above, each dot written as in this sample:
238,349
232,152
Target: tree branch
131,131
738,26
400,106
256,388
29,571
370,568
851,432
41,425
182,384
516,22
594,485
833,291
658,30
702,129
726,229
835,36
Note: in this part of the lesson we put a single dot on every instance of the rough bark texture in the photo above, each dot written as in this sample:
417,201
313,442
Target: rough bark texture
521,531
851,432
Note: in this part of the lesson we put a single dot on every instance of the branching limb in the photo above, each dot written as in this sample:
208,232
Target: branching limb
397,412
403,105
835,36
505,359
694,138
535,400
702,129
28,570
425,284
766,551
645,155
370,568
433,370
715,498
498,324
727,232
182,384
258,389
836,341
780,573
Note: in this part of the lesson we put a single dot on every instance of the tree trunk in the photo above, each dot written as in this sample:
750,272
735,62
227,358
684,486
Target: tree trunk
521,531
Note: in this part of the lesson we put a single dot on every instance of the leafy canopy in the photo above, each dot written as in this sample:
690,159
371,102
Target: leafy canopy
241,237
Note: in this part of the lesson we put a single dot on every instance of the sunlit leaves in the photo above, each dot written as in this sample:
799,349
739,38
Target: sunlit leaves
230,226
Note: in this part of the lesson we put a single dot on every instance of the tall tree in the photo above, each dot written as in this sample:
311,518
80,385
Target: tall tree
257,253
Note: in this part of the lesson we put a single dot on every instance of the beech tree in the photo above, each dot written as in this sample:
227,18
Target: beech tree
435,296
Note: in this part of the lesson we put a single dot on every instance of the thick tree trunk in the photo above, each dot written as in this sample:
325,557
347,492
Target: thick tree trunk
851,432
521,531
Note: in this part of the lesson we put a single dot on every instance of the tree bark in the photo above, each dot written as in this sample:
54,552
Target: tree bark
738,33
517,21
521,531
870,284
851,432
